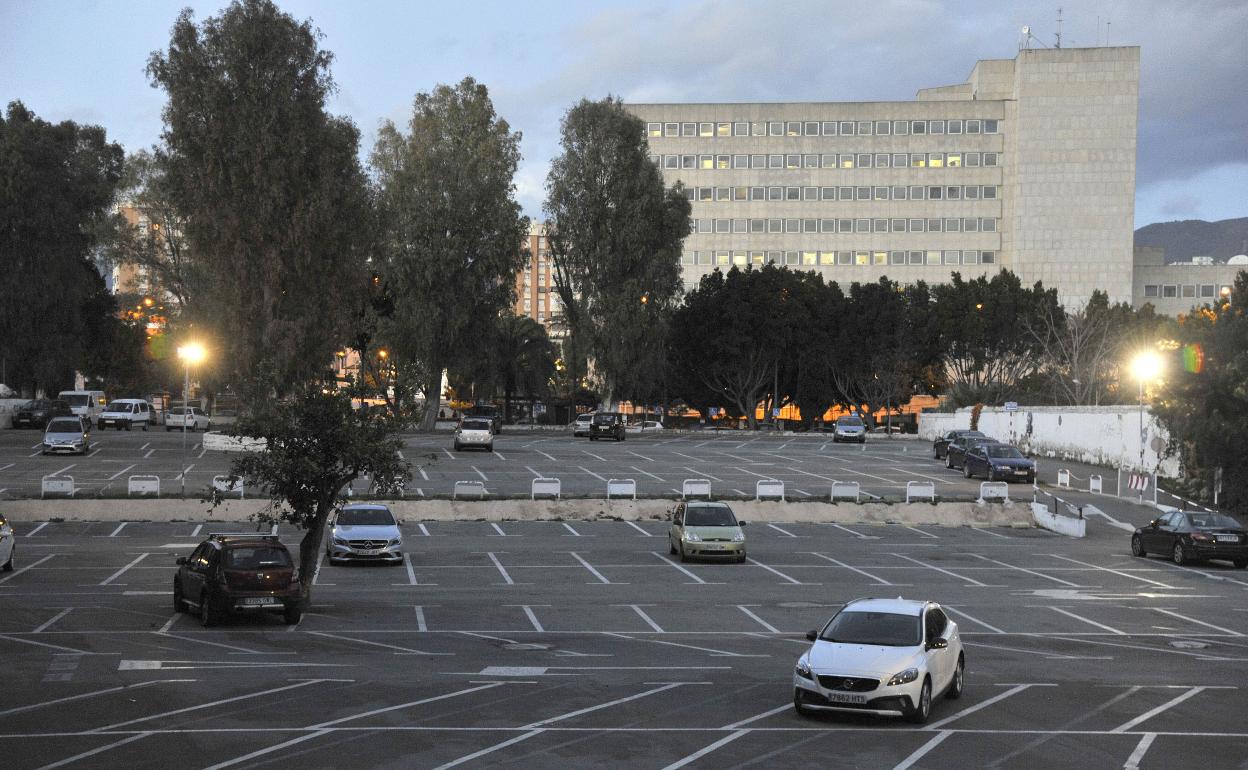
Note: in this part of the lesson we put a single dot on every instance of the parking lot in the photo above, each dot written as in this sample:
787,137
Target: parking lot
733,463
577,644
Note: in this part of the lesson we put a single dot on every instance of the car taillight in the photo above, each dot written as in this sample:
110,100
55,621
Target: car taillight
1201,537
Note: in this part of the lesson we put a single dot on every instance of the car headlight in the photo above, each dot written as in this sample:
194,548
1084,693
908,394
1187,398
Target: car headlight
692,537
802,668
394,541
739,537
904,677
339,541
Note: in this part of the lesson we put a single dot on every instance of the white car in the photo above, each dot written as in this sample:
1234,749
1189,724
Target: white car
6,545
580,426
475,432
849,428
364,532
645,426
126,413
190,418
881,656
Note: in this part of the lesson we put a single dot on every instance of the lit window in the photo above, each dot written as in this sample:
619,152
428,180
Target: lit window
706,162
954,160
918,160
933,257
723,129
723,162
722,258
846,160
756,257
706,129
810,258
654,129
827,258
811,128
936,160
879,257
862,257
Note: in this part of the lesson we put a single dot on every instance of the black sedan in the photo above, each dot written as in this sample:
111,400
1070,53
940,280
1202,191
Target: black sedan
1188,536
957,448
998,462
37,413
942,442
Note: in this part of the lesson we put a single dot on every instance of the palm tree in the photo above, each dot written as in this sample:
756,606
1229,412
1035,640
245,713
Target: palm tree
524,359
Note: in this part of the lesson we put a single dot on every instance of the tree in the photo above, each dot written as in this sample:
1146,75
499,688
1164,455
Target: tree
523,359
452,228
616,235
58,183
316,443
274,201
1203,400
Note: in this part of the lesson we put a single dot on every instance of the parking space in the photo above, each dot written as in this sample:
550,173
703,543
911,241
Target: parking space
536,644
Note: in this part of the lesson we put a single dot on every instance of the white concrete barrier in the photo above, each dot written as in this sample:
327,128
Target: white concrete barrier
468,490
994,490
1063,525
215,440
769,488
223,485
920,490
56,485
143,485
549,487
696,488
846,490
621,488
1094,484
1063,478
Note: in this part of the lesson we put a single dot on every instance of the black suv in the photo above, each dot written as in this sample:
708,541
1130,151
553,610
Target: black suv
487,412
607,425
238,572
37,413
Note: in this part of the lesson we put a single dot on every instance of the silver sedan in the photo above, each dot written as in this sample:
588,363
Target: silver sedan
364,532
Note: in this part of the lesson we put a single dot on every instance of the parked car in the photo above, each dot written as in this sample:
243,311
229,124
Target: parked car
84,403
607,425
67,434
645,426
238,572
998,462
580,426
8,544
942,442
126,413
474,432
37,413
957,448
365,532
488,412
706,529
1188,536
186,418
882,656
849,427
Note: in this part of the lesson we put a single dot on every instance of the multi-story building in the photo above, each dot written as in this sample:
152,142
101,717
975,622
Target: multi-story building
1028,165
1176,287
536,296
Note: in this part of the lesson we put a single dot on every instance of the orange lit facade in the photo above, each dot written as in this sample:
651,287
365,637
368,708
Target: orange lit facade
536,296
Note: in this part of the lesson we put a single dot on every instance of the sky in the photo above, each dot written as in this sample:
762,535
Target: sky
84,60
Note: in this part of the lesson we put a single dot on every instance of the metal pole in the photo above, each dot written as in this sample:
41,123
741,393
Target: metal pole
186,391
1142,471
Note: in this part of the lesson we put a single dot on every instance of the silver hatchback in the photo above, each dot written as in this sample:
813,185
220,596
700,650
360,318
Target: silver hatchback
364,532
67,434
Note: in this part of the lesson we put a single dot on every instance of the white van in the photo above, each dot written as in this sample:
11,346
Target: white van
126,413
84,403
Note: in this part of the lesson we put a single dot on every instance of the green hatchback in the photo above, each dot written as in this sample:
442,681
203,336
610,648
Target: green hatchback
706,529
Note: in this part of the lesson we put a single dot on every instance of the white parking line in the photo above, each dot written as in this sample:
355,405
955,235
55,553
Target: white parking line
784,532
117,531
498,529
150,452
36,529
919,753
55,618
169,623
420,619
991,628
411,573
967,580
33,706
498,564
1029,572
591,473
924,534
647,459
209,704
701,474
775,571
878,580
145,446
202,452
62,470
529,468
479,473
489,749
6,467
634,525
528,611
987,531
666,560
981,705
570,529
1110,629
119,473
589,567
706,750
600,706
269,750
448,453
423,530
599,458
499,455
409,704
186,470
1147,715
198,640
858,535
1197,622
195,532
648,473
757,619
424,476
1107,569
96,750
399,650
550,457
32,565
44,644
1141,748
649,620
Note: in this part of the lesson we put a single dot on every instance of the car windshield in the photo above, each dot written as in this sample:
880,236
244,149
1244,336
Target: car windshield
76,399
64,426
886,629
476,425
256,557
850,421
365,517
1212,521
604,419
709,516
1004,452
35,405
118,406
175,410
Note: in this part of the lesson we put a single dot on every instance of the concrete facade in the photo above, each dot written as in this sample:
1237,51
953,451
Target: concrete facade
1028,165
535,285
1176,288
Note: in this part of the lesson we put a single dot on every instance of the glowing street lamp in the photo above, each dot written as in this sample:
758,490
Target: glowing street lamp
192,354
1146,366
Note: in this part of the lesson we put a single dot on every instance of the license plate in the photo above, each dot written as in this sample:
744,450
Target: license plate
368,551
1228,538
842,697
1020,473
259,600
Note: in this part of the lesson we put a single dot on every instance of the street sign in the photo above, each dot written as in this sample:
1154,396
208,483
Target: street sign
775,413
1011,406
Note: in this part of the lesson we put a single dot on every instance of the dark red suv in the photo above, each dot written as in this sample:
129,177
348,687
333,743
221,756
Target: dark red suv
238,572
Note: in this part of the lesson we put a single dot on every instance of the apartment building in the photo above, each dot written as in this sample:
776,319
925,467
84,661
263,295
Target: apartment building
536,296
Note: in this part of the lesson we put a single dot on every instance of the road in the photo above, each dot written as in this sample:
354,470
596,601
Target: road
579,644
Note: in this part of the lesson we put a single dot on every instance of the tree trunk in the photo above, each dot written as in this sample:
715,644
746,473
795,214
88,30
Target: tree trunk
433,395
310,549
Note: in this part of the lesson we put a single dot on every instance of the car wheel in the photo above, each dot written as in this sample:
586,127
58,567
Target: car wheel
741,558
1180,556
127,426
457,447
1137,546
683,557
207,616
935,455
955,687
919,714
671,547
490,448
948,461
145,426
168,428
966,471
292,615
8,565
179,603
801,710
1240,563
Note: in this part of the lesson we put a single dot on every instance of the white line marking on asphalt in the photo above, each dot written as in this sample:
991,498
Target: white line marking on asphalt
209,704
6,467
591,473
706,750
600,706
1194,571
424,476
634,454
269,750
1197,622
969,581
195,532
711,650
55,618
858,535
145,446
169,623
489,749
498,529
1040,653
62,470
991,628
550,457
498,564
479,473
150,452
448,453
32,565
421,702
1141,748
982,705
186,471
702,474
529,468
921,532
33,706
649,621
782,531
423,529
96,750
202,452
839,563
43,644
599,458
634,525
1107,569
211,644
528,611
740,492
34,531
400,650
775,571
757,717
117,531
766,626
648,473
1029,572
119,473
803,493
1069,614
1186,653
987,531
919,753
1147,715
420,619
663,558
411,572
569,528
108,580
499,455
588,566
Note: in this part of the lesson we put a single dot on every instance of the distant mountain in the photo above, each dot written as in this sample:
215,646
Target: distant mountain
1189,238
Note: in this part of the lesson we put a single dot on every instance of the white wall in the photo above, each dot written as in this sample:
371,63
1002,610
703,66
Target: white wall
7,407
1097,435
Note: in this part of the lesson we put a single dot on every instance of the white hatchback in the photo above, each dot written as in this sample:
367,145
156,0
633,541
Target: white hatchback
475,432
881,656
184,418
6,545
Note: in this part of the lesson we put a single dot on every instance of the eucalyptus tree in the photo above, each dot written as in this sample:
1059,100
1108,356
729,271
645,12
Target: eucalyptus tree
451,229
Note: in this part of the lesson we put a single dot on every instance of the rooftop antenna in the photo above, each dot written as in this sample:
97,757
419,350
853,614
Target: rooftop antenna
1058,36
1027,39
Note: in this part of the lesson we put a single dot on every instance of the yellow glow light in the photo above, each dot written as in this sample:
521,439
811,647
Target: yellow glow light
1146,366
192,353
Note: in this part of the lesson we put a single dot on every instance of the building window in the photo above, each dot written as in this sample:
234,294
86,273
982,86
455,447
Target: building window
671,129
758,129
881,193
897,258
775,193
723,162
914,257
863,193
864,160
901,127
990,126
918,160
758,193
775,161
810,258
935,160
829,128
953,225
918,193
862,257
971,192
671,161
862,225
740,129
828,161
740,226
1207,290
844,225
740,193
758,161
970,257
793,128
723,193
775,128
1189,291
775,225
990,192
936,127
879,257
955,126
846,193
792,258
654,129
706,129
689,161
740,161
844,257
829,226
881,160
972,126
811,128
935,225
918,126
953,193
810,193
972,159
935,193
756,257
810,161
723,129
827,258
1169,291
988,225
918,225
864,128
775,257
879,225
722,258
882,128
846,128
1150,290
792,161
827,193
706,162
898,225
899,193
738,258
933,257
792,193
758,225
953,257
953,160
846,160
792,225
990,159
721,225
688,129
988,257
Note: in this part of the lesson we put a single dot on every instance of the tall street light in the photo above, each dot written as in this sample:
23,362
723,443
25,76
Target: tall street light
1145,367
192,354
